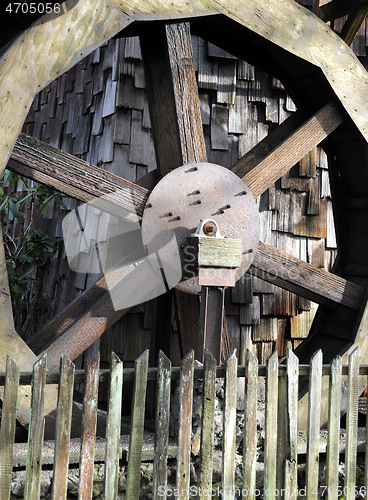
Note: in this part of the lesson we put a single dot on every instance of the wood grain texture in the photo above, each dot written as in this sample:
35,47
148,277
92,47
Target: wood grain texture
298,276
334,403
7,432
66,38
11,344
314,423
63,428
70,175
32,487
283,148
352,426
229,428
90,404
113,428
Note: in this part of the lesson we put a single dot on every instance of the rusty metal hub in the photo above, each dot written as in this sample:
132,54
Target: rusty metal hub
196,192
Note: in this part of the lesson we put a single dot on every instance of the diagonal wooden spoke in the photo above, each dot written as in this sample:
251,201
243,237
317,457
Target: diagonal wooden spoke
354,22
297,276
177,128
263,165
71,175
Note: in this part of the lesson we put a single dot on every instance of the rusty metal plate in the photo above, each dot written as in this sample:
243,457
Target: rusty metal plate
193,192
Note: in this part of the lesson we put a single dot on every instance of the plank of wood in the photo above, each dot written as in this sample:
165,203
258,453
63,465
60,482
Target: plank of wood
113,428
263,165
314,423
353,23
229,428
90,404
176,126
73,176
334,404
291,467
250,426
137,427
7,432
270,450
161,424
207,425
297,276
63,428
32,487
352,425
185,425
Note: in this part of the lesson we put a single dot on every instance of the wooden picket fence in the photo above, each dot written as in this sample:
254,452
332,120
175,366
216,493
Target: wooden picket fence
281,416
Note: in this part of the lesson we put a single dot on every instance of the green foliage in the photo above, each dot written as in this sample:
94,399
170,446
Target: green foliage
27,253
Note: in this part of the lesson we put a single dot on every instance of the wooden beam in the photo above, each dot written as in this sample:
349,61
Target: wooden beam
335,9
299,277
70,175
353,23
93,308
263,165
178,135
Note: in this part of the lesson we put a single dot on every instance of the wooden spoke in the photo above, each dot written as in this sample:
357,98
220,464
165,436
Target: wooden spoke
72,176
263,165
297,276
354,22
177,127
87,318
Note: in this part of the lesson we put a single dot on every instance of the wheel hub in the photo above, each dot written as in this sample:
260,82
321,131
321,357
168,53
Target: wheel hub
192,193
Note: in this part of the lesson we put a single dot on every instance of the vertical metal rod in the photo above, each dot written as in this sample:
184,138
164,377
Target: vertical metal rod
211,321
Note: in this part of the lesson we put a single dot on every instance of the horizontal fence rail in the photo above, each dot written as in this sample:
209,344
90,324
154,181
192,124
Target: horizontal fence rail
276,457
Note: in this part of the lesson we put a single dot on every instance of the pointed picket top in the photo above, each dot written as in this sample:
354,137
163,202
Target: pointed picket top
7,432
185,425
207,424
137,426
229,427
314,423
351,425
270,452
63,429
162,421
250,425
113,426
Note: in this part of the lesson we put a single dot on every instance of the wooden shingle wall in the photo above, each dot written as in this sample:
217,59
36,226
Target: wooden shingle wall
98,111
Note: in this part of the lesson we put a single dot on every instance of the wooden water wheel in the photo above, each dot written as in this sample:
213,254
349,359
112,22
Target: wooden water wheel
318,69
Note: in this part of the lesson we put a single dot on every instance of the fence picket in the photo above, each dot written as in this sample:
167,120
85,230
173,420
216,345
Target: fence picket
161,427
250,426
314,420
291,465
270,426
185,427
63,428
352,426
229,428
90,403
137,426
7,432
334,398
208,425
113,427
36,429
